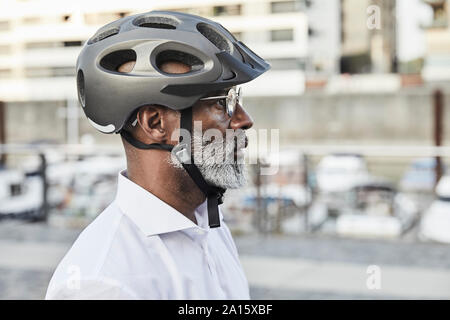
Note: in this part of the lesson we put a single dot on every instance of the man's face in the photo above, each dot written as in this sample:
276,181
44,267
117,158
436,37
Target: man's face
218,147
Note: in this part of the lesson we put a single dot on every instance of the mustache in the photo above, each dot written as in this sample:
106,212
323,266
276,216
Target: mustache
238,140
220,151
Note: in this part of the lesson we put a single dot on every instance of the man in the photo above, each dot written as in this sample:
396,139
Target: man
153,78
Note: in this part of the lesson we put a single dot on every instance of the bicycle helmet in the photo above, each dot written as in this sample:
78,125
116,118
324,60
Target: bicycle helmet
217,60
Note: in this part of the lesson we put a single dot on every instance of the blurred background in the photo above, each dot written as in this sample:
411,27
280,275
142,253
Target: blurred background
360,91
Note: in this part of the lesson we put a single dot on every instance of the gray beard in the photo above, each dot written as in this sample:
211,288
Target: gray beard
217,163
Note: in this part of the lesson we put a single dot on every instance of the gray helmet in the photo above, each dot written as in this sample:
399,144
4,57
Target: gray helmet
109,97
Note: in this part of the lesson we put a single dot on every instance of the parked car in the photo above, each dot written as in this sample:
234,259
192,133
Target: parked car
420,175
90,183
75,187
280,195
20,197
419,181
435,223
377,210
336,175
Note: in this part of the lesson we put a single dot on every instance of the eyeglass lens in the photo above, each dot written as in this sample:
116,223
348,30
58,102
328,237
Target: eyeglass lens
232,99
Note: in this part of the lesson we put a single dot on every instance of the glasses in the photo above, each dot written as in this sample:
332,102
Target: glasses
229,101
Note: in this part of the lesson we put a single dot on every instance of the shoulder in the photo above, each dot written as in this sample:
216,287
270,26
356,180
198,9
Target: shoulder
94,262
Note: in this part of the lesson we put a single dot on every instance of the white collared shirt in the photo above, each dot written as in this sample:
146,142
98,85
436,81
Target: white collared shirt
139,247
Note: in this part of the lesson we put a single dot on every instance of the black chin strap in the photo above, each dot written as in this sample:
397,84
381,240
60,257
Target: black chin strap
214,195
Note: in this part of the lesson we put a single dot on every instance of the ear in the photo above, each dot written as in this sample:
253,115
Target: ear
152,121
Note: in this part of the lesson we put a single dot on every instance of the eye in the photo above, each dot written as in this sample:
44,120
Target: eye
222,102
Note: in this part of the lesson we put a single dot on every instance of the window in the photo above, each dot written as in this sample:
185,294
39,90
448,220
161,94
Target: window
50,45
122,14
282,35
72,43
285,6
15,189
287,64
439,14
37,72
4,49
31,20
50,72
63,71
358,63
200,11
5,73
4,25
230,10
182,10
41,45
102,18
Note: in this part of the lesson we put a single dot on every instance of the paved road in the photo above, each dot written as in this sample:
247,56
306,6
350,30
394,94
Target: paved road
326,267
278,267
342,280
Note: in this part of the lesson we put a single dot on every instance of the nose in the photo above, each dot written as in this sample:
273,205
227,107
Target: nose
240,119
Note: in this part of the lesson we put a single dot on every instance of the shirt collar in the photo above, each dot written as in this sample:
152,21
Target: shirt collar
152,215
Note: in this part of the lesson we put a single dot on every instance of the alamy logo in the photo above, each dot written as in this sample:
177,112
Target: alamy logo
212,146
374,280
74,279
374,18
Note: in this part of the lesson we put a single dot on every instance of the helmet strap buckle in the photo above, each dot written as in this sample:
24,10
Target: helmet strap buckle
182,153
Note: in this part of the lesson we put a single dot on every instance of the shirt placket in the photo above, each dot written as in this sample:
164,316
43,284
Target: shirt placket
203,239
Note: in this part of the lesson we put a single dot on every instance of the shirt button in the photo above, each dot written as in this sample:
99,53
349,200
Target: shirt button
198,231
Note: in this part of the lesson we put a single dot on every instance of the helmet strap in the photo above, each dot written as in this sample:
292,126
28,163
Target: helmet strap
213,194
140,145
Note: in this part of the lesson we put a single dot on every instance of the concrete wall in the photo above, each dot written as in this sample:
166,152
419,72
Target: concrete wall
398,118
27,122
403,117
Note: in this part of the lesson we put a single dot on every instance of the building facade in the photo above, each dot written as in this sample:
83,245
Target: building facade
41,39
437,35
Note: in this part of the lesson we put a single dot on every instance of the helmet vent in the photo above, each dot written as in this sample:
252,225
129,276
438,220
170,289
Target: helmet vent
192,61
114,60
103,35
80,87
213,36
156,22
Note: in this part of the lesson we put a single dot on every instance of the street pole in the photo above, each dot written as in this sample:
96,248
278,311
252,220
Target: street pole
2,133
43,173
438,129
304,161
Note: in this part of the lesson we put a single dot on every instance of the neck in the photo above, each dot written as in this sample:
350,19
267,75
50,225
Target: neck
152,171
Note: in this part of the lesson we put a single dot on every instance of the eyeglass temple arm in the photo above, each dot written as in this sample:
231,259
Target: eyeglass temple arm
212,98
